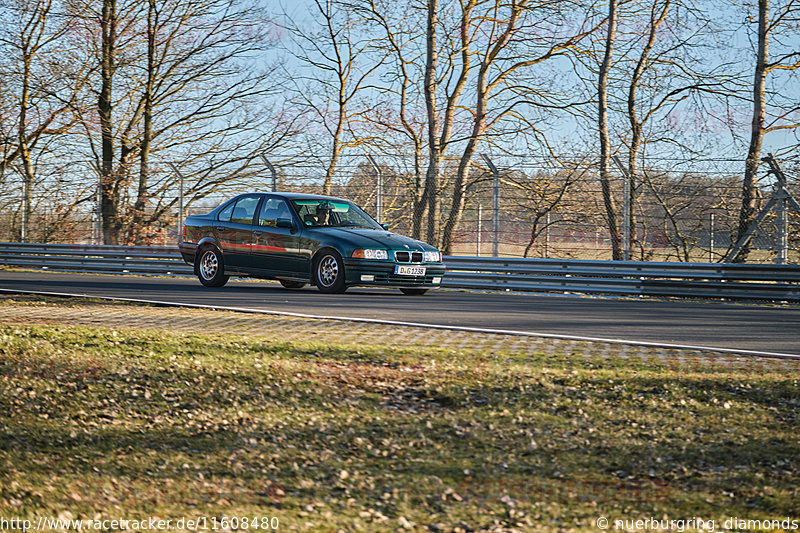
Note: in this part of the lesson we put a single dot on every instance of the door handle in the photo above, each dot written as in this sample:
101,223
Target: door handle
220,228
257,233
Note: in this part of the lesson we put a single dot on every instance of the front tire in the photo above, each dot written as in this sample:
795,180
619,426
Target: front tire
329,272
210,269
414,292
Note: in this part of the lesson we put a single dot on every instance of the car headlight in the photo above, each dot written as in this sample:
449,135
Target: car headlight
433,257
370,254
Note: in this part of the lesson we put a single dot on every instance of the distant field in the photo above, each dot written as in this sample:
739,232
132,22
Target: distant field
129,423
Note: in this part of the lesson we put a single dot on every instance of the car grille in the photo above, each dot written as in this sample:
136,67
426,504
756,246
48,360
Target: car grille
408,257
394,279
409,280
384,274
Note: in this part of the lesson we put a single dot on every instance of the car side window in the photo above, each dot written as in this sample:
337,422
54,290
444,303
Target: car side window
225,214
305,214
271,210
244,210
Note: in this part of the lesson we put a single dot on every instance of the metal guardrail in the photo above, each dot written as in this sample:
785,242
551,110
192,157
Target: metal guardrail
630,278
155,260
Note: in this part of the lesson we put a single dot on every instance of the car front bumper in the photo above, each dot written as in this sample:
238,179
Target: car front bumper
382,273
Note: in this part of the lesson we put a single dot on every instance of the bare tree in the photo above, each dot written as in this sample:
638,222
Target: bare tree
44,91
439,132
196,91
174,80
429,196
115,31
341,58
542,196
658,14
403,113
602,124
771,26
664,73
684,202
503,24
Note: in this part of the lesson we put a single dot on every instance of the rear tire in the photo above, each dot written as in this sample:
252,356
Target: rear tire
414,292
329,272
292,284
210,269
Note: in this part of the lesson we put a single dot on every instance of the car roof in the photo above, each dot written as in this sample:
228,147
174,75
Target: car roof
295,196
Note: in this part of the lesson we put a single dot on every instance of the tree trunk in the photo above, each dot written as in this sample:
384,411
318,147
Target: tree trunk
605,151
430,198
419,193
534,236
637,126
24,148
336,149
139,207
109,196
747,213
464,165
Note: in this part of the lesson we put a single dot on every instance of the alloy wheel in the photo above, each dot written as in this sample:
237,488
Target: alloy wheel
209,265
328,271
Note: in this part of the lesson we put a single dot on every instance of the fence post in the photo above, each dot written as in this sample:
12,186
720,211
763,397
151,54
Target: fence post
783,230
778,200
272,170
783,197
711,241
23,234
379,186
24,229
480,216
99,217
496,214
626,210
547,236
180,199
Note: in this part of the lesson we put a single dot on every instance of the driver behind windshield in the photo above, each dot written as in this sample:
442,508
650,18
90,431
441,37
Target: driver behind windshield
323,215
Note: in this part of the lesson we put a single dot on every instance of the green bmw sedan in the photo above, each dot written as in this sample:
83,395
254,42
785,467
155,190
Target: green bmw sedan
299,239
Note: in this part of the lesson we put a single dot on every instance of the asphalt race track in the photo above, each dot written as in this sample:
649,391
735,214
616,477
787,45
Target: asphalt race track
722,325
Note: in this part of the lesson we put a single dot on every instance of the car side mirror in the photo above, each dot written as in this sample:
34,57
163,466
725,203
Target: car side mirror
284,223
385,226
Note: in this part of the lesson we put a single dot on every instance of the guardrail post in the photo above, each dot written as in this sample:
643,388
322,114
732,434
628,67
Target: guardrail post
272,171
379,186
496,214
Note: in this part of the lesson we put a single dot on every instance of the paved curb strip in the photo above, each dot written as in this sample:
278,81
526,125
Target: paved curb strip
287,328
575,338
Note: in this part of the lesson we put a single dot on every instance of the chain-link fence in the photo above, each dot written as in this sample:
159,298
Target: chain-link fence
680,211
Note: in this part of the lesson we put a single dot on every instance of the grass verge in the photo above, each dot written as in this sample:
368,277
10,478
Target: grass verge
130,423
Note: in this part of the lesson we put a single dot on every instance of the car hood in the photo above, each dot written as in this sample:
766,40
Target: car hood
373,238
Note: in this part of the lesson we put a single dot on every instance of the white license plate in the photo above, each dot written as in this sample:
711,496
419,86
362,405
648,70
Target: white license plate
409,270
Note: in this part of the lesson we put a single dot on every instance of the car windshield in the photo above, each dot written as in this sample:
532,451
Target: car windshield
332,213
